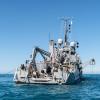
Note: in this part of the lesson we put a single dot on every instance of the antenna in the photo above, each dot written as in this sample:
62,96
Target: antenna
49,36
67,29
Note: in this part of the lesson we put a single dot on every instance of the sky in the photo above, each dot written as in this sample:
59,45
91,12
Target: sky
28,23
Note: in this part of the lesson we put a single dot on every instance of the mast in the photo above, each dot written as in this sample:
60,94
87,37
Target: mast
66,32
67,29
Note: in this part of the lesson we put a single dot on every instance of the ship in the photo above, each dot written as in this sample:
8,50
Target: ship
61,64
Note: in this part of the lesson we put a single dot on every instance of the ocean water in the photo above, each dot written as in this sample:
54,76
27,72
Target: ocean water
88,89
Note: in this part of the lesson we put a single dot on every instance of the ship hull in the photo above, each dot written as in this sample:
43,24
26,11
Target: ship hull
69,78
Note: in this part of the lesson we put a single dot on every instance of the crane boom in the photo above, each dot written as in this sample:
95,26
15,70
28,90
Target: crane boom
43,54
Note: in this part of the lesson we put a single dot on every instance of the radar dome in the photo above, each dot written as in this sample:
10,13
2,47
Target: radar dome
60,41
73,44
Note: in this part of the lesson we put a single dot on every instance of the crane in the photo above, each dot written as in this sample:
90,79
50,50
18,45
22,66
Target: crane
43,53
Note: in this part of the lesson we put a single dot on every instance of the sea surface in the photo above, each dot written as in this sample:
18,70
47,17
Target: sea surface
88,89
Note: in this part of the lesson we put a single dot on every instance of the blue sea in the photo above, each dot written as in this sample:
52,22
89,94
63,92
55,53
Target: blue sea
88,89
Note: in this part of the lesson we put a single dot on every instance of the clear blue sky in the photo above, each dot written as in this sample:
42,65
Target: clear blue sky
27,23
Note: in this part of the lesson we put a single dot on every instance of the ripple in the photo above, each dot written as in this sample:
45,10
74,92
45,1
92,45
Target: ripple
88,89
